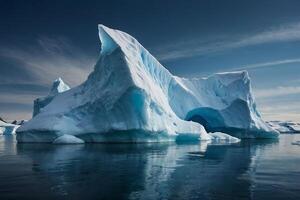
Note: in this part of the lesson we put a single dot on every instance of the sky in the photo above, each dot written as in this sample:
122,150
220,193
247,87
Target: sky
43,40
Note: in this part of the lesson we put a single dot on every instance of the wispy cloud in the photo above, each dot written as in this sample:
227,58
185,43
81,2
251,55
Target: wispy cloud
284,33
281,116
281,111
278,91
279,103
16,106
50,58
292,106
268,64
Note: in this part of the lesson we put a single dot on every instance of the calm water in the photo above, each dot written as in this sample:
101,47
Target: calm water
249,170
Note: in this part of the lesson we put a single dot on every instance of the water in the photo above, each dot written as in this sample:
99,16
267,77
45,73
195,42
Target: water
261,169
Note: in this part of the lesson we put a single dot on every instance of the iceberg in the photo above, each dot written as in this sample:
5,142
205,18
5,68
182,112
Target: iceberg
285,126
131,97
7,128
296,143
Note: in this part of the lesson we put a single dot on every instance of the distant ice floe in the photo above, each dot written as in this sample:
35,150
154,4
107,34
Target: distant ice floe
285,126
7,128
296,143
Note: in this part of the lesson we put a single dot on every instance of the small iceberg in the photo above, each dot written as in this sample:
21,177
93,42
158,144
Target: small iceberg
296,143
68,139
285,126
7,128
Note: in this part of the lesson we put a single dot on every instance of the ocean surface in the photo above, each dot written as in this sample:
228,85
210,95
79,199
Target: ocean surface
252,169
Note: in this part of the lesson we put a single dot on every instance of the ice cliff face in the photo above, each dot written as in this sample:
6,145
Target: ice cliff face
131,97
58,86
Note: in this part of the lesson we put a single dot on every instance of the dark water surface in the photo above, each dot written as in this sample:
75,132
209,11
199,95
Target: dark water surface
261,169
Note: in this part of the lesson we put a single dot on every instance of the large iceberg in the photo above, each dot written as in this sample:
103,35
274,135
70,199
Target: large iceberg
131,97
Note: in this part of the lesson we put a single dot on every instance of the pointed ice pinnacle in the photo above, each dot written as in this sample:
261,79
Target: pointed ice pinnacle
58,86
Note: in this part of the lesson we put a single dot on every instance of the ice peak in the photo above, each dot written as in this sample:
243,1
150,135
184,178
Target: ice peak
58,86
108,44
136,55
112,38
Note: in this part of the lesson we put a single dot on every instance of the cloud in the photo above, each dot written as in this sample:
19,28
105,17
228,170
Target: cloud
268,64
281,116
22,89
279,103
50,58
278,91
290,107
16,106
284,33
280,111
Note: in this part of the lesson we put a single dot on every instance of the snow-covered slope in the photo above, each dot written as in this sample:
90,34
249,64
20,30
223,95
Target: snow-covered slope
131,97
285,126
58,86
7,128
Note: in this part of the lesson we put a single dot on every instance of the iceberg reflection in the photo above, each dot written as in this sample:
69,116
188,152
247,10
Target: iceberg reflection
148,171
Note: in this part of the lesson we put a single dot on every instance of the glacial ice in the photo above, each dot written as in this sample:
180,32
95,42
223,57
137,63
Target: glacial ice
131,97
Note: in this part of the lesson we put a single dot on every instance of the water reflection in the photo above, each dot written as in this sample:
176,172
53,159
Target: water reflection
127,171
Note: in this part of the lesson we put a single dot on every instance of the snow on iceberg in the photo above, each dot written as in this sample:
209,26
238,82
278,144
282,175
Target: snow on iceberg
131,97
58,86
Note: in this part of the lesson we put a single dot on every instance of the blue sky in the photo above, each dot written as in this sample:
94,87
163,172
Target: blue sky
43,40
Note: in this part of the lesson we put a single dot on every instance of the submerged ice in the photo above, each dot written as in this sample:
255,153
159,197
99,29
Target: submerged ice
68,139
131,97
220,137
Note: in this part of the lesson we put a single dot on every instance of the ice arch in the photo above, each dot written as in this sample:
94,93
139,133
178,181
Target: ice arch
210,118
